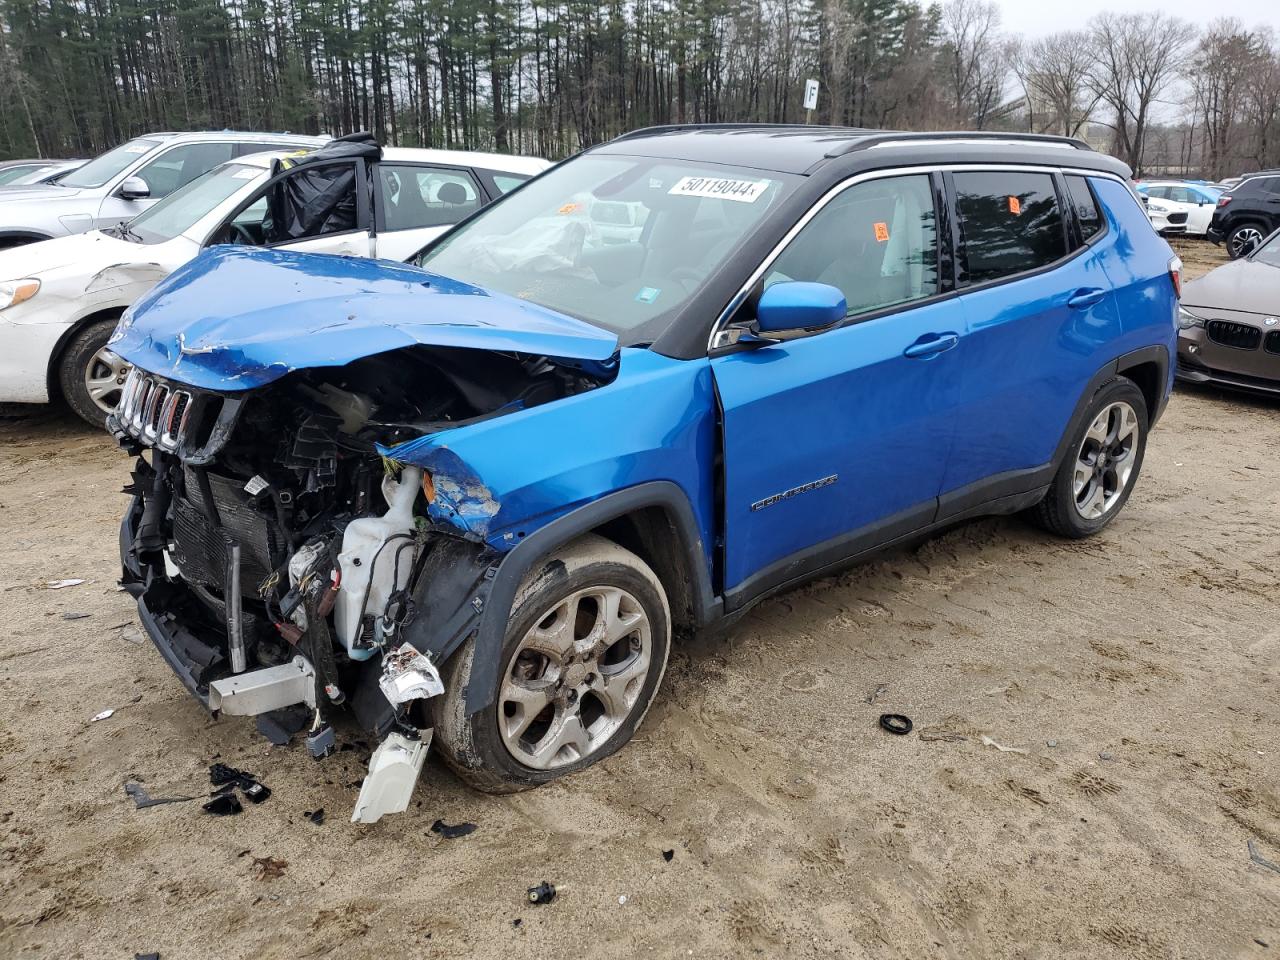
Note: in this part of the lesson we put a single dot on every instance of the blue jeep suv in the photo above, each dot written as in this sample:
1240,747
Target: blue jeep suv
473,496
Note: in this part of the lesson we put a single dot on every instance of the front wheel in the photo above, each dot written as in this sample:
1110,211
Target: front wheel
1101,466
91,374
584,654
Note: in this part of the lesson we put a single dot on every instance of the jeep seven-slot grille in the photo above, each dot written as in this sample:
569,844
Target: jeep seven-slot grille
1272,343
1239,335
153,411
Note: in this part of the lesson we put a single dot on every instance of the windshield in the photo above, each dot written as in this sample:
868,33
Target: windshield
16,173
182,209
619,241
98,171
1269,252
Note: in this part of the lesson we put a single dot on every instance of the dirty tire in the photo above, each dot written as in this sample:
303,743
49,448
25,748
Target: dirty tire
473,746
1057,512
71,369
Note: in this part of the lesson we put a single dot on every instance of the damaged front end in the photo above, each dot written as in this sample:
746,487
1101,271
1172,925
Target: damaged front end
279,557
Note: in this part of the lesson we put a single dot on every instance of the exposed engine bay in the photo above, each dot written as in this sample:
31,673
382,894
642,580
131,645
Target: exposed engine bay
279,557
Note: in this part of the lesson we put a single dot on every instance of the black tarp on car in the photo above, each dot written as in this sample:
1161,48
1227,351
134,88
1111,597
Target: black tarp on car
322,198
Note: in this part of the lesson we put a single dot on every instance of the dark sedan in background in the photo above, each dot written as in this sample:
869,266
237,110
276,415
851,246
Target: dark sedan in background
1229,323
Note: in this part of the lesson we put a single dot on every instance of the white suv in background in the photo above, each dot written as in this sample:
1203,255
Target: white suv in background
1177,207
60,299
121,183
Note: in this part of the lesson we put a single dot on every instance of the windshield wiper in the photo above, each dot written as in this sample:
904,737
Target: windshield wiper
125,232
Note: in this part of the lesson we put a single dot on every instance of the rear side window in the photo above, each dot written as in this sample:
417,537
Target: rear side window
1087,214
1010,222
506,182
415,197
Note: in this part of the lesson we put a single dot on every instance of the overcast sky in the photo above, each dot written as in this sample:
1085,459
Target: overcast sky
1036,17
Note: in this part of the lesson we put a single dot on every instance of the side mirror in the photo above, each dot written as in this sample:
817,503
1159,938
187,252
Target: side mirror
134,188
791,309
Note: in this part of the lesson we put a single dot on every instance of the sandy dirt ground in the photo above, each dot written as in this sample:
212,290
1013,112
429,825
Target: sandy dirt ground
1133,675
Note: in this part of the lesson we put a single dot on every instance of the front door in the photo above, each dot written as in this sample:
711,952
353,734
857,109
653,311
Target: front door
840,441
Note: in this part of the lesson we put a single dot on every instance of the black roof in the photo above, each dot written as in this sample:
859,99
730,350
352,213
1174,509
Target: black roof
803,149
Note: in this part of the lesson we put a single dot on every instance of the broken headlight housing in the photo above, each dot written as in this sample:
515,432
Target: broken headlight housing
14,292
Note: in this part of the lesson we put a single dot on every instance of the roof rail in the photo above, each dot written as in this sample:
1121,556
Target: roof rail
882,139
726,127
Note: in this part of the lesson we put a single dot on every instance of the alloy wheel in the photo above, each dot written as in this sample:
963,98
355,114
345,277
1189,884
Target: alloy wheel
104,376
1104,462
575,677
1244,240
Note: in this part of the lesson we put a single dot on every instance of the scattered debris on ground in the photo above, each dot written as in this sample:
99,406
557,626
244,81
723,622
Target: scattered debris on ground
1259,859
269,868
75,615
544,892
988,742
667,855
63,584
102,716
895,723
223,805
142,799
448,832
315,816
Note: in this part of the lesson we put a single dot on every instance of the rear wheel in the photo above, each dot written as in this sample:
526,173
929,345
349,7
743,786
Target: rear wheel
1243,239
584,654
1101,466
91,375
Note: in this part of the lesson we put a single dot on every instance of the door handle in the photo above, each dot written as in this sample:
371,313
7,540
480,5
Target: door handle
1086,297
931,344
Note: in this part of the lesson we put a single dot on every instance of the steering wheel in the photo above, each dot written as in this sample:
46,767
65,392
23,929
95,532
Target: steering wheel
241,232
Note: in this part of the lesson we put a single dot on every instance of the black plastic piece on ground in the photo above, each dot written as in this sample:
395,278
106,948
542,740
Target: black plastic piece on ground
254,791
895,723
315,816
452,832
667,855
224,805
544,892
279,726
146,956
220,773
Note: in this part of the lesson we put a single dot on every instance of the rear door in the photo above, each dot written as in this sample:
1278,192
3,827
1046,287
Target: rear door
415,203
1041,319
839,441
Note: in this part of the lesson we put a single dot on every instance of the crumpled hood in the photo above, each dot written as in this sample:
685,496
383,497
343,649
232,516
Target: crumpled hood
235,319
83,249
1239,285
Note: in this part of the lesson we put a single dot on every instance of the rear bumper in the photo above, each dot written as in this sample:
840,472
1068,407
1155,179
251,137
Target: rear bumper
1215,235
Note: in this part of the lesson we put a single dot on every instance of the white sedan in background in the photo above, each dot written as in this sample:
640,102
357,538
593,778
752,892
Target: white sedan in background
60,299
1176,207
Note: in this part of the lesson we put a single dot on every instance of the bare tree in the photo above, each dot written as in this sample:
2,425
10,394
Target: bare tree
974,55
1054,72
1262,106
1135,60
1226,57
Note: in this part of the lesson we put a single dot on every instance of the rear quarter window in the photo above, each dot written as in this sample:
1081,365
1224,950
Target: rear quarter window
1010,223
1086,207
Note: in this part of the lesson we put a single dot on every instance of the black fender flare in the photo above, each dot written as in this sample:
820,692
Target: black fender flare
483,612
1157,353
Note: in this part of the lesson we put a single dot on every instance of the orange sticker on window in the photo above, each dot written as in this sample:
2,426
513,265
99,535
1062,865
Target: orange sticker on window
882,232
569,208
1015,206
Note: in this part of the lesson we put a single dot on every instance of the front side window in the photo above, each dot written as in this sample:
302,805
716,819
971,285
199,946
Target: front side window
312,202
543,244
415,197
177,167
186,206
1010,223
1086,207
101,169
877,242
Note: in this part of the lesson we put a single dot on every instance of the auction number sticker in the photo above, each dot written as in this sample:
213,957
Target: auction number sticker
743,191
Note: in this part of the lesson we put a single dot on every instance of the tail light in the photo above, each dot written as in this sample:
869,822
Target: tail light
1175,274
1224,200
